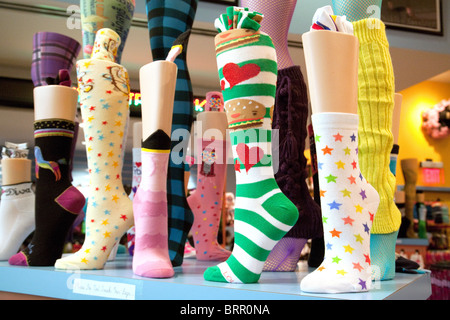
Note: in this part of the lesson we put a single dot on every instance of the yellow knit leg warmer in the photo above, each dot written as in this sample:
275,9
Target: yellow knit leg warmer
375,110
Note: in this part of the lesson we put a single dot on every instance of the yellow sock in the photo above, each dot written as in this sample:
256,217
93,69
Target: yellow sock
375,108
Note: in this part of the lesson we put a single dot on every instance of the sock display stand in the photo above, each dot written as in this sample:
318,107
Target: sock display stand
159,268
117,281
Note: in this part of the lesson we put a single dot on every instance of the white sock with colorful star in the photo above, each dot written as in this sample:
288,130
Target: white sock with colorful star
104,94
349,204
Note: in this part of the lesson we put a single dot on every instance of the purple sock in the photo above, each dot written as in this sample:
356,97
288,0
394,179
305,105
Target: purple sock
290,119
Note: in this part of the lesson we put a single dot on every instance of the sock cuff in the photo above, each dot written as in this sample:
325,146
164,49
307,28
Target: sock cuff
54,127
332,120
395,149
158,140
294,73
15,191
370,30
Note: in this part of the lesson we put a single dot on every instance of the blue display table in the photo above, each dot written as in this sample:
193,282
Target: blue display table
117,281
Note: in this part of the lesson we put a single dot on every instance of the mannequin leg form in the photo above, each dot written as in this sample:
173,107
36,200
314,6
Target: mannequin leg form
112,14
395,132
104,95
206,200
151,254
375,109
291,107
263,214
277,19
356,10
57,202
16,206
52,52
409,169
164,27
348,201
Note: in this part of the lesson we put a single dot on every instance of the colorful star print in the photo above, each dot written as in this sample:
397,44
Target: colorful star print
337,137
348,203
105,110
331,178
334,205
327,150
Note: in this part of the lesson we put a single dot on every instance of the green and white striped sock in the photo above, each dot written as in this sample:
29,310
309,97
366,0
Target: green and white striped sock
263,214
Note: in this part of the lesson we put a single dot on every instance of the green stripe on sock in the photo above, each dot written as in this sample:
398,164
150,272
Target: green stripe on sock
242,272
251,135
280,204
256,220
256,189
248,90
249,246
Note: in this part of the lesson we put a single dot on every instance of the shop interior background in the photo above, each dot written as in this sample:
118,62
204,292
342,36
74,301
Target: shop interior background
421,65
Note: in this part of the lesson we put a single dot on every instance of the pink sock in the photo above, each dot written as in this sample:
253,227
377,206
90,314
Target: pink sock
151,253
206,201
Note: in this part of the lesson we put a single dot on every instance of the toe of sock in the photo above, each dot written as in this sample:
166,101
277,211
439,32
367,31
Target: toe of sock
19,259
154,270
326,283
214,274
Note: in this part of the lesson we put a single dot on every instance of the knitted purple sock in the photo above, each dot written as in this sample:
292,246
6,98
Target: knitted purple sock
290,118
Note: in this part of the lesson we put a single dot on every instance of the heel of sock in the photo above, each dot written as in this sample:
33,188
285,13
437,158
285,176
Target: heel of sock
71,200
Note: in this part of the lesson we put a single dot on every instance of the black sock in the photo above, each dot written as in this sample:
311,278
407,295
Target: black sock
57,201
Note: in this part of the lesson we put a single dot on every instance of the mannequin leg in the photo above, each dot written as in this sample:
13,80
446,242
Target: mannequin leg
57,202
356,10
409,169
113,14
290,119
164,27
151,253
348,201
375,109
263,214
206,201
104,107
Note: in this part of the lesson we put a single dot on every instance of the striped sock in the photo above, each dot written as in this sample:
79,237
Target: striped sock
167,19
151,255
263,214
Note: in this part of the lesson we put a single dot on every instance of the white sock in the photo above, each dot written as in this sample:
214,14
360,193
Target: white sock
16,217
349,204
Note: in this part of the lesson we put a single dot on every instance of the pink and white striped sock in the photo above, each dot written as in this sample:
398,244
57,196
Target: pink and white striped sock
151,253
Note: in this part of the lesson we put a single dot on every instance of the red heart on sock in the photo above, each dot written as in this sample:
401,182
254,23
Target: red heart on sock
249,156
235,74
138,164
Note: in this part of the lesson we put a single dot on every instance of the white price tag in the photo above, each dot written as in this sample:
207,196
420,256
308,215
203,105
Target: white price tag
104,289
